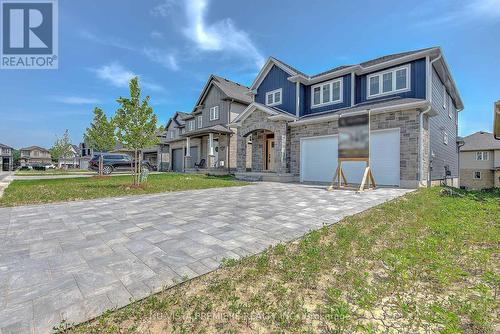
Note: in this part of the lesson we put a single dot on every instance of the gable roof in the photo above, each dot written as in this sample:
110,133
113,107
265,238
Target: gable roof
434,53
231,89
5,146
178,115
480,140
31,148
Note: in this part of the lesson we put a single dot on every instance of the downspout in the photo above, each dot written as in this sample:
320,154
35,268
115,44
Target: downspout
229,138
421,121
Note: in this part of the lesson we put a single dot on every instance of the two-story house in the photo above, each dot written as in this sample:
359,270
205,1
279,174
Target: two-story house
202,138
34,155
480,161
6,158
412,100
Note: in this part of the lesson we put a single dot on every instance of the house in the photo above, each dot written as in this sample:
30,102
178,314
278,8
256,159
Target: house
202,138
480,161
72,160
496,120
6,158
34,155
292,123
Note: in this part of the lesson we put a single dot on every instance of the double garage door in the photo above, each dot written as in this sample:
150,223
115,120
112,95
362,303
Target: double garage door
318,159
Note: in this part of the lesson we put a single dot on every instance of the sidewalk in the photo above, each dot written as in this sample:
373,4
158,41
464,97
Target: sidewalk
5,179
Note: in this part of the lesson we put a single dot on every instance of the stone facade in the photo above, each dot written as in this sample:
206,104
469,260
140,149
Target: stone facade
467,178
253,124
408,124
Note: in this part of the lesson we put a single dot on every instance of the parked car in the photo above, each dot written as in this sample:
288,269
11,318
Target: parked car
26,167
116,162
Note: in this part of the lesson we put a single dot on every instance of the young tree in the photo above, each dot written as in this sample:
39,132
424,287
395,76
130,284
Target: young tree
62,147
136,124
101,134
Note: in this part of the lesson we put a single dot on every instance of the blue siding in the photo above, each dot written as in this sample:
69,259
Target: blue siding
275,79
345,103
417,83
302,96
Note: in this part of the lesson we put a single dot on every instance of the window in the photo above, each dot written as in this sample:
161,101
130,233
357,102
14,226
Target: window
482,156
172,134
445,138
326,93
476,175
214,113
388,82
200,121
274,98
191,125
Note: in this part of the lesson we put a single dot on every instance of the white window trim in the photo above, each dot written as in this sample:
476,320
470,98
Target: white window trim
380,82
331,82
474,175
445,138
483,155
172,134
273,92
191,125
200,121
212,113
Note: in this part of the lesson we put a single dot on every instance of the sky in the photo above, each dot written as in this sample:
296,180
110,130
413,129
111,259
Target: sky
174,45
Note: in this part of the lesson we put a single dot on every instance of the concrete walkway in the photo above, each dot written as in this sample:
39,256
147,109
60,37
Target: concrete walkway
75,260
5,179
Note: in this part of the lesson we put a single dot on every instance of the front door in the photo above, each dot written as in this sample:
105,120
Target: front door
270,154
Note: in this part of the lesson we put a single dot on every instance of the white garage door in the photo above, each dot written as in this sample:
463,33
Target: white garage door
318,156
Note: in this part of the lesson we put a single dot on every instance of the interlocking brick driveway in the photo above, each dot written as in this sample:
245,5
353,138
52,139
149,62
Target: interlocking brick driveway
75,260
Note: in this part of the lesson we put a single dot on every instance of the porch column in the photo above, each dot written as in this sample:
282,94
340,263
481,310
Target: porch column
188,161
280,153
211,155
241,153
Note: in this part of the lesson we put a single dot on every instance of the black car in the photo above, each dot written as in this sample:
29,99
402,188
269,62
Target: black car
117,162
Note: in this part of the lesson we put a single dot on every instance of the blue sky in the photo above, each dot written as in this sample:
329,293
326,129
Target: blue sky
174,45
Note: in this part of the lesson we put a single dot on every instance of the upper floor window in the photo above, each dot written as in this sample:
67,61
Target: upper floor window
445,138
482,156
274,98
191,125
172,134
389,82
326,93
214,113
200,121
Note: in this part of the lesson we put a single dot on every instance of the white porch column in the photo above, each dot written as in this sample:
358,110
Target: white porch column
188,147
211,155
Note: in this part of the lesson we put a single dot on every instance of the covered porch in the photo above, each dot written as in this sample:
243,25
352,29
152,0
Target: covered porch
209,151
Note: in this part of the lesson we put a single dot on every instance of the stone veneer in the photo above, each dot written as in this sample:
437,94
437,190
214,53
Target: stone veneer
408,123
467,179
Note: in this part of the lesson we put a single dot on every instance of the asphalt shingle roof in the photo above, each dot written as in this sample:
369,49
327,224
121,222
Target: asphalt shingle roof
480,140
233,89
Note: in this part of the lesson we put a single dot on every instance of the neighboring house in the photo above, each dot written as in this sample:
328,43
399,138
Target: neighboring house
496,120
6,158
34,155
72,160
203,136
480,161
292,124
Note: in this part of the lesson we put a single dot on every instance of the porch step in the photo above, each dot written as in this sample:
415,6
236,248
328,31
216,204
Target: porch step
267,177
248,178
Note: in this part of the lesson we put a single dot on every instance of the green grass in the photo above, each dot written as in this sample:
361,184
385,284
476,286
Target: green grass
424,263
22,192
52,172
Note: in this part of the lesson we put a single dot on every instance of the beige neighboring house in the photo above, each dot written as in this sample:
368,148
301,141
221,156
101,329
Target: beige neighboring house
34,155
480,161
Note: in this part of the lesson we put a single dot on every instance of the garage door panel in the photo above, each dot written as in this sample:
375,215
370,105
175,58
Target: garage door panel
319,159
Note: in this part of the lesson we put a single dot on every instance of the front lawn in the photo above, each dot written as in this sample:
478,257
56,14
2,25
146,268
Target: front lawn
424,263
35,172
22,192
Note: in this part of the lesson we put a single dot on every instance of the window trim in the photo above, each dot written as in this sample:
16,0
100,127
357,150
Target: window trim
381,80
212,117
321,84
199,121
483,153
273,93
445,138
191,125
474,175
172,134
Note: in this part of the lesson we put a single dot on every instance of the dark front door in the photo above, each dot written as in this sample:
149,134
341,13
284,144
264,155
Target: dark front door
5,164
177,157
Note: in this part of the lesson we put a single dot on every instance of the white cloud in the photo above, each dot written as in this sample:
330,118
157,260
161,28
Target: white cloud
484,10
167,60
75,100
164,8
118,76
220,36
